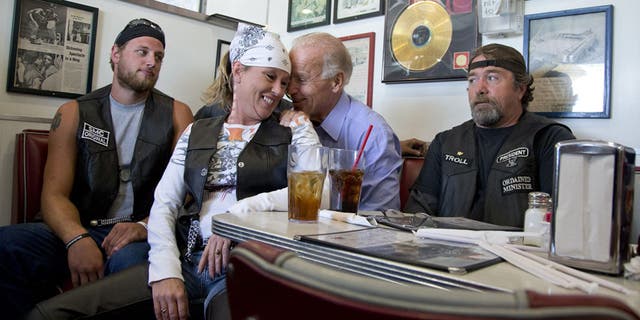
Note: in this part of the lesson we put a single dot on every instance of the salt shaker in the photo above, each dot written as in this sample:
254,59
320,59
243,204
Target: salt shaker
534,217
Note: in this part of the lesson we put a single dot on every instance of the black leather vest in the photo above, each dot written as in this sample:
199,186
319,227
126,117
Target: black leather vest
97,176
261,166
514,172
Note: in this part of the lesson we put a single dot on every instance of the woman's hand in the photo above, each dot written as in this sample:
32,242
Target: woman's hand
215,255
170,299
292,118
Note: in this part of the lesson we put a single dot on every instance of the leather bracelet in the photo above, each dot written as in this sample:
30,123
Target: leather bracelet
76,239
144,224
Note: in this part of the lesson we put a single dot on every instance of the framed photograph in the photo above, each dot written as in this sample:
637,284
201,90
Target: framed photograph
223,47
349,10
429,40
569,55
361,46
52,48
305,14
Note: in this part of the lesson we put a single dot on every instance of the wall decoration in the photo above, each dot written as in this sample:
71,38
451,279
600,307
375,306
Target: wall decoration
52,48
429,40
350,10
569,55
305,14
223,47
361,47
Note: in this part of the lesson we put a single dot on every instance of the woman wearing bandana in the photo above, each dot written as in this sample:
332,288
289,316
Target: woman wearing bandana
216,162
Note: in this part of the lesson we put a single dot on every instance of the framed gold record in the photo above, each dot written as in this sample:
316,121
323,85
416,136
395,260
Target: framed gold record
429,40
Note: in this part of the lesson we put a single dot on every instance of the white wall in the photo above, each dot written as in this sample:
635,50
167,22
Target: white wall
412,109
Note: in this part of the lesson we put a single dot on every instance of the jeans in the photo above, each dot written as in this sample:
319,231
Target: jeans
33,264
201,286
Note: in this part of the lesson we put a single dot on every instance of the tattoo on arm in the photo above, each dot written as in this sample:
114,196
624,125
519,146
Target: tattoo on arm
56,121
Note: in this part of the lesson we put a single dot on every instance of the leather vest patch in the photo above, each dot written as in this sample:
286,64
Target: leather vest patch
96,135
457,158
511,157
516,184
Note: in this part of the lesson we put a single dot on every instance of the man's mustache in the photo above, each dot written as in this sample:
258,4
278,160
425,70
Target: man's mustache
481,100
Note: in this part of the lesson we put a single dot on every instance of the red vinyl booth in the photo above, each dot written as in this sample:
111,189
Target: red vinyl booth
265,282
28,170
410,170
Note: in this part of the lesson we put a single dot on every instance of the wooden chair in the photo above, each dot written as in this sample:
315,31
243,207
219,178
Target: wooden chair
28,170
264,282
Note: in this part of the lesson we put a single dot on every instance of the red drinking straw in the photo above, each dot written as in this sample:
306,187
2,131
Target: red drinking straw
364,142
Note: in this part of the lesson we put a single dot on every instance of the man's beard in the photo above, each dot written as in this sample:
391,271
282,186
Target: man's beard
486,117
129,79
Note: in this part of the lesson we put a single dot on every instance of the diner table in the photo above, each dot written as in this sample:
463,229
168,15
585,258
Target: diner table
274,228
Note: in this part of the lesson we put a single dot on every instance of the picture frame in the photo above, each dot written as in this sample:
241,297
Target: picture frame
304,14
52,48
362,48
350,10
568,53
414,32
223,47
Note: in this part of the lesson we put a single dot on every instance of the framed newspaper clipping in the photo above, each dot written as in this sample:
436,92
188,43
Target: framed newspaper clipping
52,48
568,53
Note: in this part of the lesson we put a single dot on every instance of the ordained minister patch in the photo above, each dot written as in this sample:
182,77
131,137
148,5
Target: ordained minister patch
517,184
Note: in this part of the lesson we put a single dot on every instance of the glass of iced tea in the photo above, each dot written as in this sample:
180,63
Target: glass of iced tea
306,169
346,179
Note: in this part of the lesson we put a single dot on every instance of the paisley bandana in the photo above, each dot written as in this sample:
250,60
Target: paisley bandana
254,46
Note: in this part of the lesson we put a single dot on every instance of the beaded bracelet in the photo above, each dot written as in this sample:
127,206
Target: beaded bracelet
76,239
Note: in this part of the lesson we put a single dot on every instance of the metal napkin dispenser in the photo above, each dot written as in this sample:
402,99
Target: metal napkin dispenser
592,205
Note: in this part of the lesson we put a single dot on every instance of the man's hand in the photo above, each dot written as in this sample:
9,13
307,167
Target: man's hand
170,299
215,255
122,234
414,147
85,262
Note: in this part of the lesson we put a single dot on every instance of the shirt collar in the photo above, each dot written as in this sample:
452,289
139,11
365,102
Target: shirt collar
334,120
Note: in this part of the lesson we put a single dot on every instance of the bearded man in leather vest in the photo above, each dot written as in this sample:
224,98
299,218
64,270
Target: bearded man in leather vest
484,168
107,151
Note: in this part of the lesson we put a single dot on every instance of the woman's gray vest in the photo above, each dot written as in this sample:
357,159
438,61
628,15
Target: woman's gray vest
97,174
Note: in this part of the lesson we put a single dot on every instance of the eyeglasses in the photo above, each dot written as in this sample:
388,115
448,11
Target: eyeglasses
144,22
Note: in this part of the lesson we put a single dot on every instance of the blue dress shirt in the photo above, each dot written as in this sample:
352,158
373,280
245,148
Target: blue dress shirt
345,127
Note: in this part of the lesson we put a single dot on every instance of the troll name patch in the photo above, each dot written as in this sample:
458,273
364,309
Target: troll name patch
456,159
94,134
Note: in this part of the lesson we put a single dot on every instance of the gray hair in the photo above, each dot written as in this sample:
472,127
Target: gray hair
336,56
